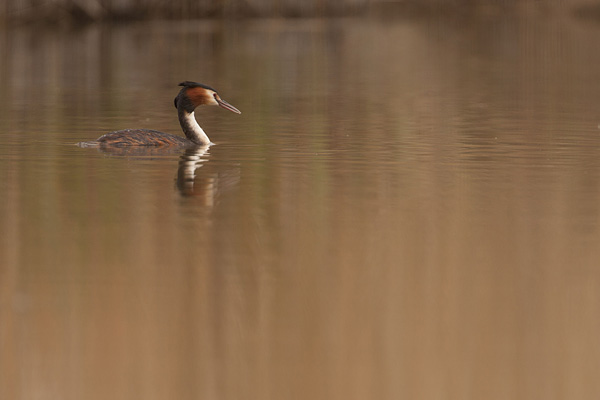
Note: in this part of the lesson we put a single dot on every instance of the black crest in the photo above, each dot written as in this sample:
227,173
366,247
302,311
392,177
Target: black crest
190,84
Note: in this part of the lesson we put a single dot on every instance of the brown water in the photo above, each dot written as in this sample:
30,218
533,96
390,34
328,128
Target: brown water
406,209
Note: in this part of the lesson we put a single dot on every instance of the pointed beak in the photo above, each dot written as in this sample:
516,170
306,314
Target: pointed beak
227,106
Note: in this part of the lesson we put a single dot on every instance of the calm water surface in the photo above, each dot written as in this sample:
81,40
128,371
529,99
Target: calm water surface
405,209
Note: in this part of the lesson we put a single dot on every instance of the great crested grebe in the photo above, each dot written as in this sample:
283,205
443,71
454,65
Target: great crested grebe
192,95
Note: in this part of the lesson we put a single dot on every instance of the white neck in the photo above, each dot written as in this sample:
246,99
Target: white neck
190,127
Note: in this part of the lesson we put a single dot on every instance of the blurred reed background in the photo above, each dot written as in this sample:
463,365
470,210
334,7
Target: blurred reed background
82,11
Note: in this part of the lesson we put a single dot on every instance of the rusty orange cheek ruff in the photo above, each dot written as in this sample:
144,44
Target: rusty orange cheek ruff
199,96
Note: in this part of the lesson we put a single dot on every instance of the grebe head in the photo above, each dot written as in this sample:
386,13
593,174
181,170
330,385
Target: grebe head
195,94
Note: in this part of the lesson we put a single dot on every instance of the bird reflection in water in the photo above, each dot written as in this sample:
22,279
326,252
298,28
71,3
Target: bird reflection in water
188,183
196,176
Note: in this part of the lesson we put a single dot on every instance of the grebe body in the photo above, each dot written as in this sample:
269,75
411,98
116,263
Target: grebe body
138,137
192,95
